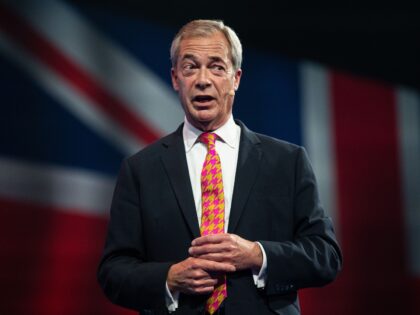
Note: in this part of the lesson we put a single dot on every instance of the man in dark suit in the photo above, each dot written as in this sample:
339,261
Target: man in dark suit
215,218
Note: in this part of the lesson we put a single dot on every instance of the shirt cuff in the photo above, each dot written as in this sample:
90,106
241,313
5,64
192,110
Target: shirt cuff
171,299
261,275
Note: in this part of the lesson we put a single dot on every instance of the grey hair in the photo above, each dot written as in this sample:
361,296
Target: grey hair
206,28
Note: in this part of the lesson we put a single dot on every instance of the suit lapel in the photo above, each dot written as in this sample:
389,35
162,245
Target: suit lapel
249,160
175,163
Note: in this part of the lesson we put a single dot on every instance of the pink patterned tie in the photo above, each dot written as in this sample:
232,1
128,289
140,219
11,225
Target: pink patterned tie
213,209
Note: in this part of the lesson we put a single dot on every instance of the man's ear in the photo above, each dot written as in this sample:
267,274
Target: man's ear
174,77
238,75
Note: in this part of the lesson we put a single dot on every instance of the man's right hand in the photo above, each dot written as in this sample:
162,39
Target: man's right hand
195,275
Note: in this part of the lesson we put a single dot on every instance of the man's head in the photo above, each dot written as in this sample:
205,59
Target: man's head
206,70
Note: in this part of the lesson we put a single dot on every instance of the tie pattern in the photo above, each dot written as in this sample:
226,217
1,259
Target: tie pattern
213,209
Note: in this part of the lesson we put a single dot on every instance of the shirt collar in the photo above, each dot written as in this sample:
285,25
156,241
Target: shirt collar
228,133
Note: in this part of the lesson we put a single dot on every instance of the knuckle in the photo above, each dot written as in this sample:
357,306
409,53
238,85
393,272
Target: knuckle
196,274
194,264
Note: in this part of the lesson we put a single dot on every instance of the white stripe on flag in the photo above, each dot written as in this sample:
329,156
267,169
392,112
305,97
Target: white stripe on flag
66,189
146,94
69,97
317,132
408,104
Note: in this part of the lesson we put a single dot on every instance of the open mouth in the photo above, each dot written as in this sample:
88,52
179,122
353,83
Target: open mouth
203,98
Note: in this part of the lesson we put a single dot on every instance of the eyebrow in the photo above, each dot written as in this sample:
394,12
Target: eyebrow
189,56
212,58
217,59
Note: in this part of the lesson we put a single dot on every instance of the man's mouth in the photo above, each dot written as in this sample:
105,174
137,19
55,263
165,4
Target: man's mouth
203,98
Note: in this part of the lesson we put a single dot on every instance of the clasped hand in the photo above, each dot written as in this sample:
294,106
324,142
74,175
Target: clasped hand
212,255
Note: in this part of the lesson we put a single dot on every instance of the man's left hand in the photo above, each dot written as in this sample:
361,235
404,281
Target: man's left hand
228,248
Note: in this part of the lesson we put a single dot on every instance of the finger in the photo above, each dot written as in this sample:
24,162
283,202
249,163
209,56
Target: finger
209,248
213,266
202,286
204,290
211,282
198,273
213,238
217,257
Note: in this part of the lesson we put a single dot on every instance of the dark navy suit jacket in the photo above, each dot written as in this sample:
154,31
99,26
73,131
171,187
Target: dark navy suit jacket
275,201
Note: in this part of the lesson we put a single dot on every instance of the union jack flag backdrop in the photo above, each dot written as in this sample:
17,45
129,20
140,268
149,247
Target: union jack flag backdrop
81,89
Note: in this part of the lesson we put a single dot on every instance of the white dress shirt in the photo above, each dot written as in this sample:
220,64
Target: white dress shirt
227,146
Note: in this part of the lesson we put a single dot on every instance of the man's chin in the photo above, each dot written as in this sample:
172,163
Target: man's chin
204,116
206,123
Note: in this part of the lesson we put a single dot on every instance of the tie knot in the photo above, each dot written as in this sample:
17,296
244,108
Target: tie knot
209,139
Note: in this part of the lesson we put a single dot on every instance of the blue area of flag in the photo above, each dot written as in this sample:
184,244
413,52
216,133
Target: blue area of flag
148,42
36,127
268,99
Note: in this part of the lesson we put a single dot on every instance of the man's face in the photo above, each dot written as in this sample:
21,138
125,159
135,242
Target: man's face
205,80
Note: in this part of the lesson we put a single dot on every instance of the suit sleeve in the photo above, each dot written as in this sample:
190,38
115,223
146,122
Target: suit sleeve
312,257
124,274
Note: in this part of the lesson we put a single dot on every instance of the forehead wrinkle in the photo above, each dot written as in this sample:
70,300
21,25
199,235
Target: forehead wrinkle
219,47
205,47
188,44
197,48
212,56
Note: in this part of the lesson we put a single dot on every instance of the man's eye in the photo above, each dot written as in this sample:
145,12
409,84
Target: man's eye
218,67
188,68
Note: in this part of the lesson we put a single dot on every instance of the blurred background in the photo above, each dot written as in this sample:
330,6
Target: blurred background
86,83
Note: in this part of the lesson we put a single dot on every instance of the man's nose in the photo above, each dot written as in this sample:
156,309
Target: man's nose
203,79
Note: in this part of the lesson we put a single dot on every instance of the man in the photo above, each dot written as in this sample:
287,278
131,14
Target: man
215,218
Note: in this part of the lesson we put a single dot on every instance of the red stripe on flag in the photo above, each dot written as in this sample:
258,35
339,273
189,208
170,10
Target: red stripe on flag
51,56
49,260
375,279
